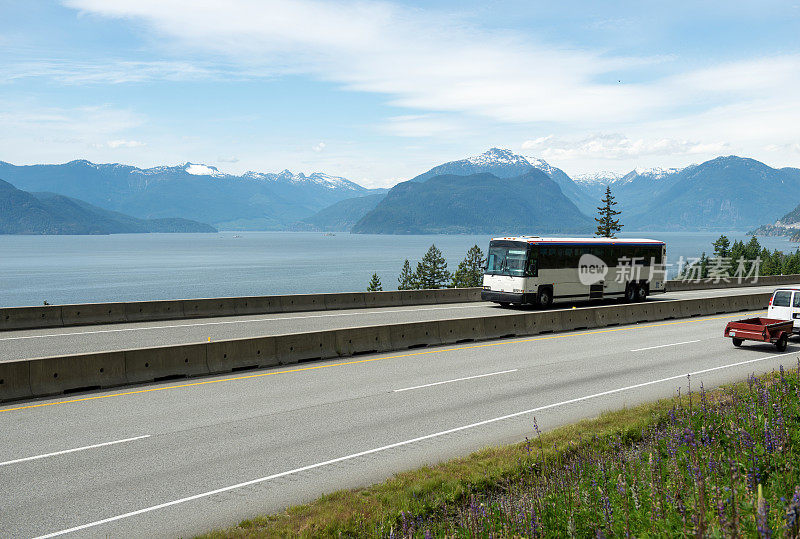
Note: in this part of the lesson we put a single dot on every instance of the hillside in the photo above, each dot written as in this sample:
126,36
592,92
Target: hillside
476,204
48,213
724,193
257,201
504,163
341,216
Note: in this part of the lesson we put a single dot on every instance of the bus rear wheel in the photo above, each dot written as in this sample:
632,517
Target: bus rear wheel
641,292
544,298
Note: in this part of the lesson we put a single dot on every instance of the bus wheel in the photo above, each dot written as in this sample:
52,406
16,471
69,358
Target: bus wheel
504,303
641,292
544,298
630,293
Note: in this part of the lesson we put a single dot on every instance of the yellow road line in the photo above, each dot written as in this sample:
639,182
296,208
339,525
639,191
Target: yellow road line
346,363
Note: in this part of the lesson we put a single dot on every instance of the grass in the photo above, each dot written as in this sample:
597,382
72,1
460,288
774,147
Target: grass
722,464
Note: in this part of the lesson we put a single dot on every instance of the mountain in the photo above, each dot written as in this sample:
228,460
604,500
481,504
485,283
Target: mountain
632,190
482,203
193,191
788,225
341,216
48,213
506,164
724,193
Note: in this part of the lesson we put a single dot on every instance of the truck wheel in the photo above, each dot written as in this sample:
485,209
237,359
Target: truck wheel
544,298
781,343
737,342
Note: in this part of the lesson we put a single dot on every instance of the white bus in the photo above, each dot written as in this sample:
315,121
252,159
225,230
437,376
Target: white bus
541,271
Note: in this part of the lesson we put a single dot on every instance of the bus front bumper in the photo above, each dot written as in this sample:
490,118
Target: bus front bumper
506,297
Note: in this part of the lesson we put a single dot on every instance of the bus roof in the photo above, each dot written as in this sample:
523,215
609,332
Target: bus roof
597,241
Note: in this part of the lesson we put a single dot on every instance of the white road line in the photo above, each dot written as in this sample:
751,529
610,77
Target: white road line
454,380
397,444
173,326
665,345
37,457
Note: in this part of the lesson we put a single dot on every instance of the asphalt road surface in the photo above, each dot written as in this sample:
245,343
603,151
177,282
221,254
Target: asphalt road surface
179,458
25,344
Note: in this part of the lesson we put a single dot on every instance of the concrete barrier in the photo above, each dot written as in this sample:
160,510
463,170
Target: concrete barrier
497,327
30,317
363,340
15,380
256,305
298,347
344,301
227,356
462,330
582,318
145,311
542,322
47,376
160,363
611,316
51,376
301,302
13,318
414,335
705,284
383,299
93,313
208,308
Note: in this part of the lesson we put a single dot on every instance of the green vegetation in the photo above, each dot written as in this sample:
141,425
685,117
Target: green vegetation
721,463
432,271
741,259
375,284
606,224
470,271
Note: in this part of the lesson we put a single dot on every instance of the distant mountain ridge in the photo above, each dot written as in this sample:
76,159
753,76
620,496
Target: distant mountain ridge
481,203
254,200
49,213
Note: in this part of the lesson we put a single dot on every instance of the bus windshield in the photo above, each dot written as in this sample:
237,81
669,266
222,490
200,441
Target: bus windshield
507,258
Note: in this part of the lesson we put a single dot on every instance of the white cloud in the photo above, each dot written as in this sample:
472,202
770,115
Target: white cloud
121,143
228,159
420,125
318,147
115,72
617,146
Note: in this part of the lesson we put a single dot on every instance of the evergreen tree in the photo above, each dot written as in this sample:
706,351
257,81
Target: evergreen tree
722,247
432,270
407,279
606,224
375,284
470,271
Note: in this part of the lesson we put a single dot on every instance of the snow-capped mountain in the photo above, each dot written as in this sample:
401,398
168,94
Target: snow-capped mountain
318,178
257,201
504,163
603,177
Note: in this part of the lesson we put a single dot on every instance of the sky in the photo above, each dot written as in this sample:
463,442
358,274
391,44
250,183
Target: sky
379,92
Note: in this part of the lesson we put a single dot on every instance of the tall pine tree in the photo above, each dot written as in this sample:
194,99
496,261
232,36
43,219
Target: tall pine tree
606,224
470,271
432,270
407,279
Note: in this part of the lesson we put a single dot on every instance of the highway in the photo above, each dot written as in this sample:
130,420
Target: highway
24,344
179,458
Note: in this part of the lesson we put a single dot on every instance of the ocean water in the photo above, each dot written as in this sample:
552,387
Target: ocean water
131,267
